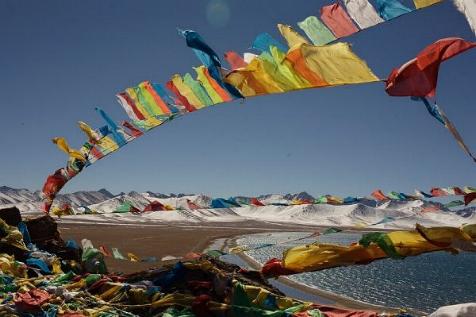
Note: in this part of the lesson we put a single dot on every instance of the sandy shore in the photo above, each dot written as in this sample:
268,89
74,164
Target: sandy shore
160,240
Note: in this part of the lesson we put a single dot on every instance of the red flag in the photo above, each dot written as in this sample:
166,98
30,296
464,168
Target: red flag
104,251
256,202
337,20
132,128
54,183
274,267
418,77
438,192
468,198
235,60
154,206
379,195
458,191
183,100
192,205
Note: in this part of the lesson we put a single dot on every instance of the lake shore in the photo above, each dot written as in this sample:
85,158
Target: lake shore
160,240
178,239
308,293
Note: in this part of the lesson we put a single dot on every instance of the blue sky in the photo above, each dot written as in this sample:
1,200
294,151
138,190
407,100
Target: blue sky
60,59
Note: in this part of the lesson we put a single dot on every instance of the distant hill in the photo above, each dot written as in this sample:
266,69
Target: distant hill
27,200
390,214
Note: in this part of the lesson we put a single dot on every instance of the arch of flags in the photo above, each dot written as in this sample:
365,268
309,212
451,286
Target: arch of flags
303,63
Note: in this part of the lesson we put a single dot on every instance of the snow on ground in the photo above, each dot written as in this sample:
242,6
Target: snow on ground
390,215
181,202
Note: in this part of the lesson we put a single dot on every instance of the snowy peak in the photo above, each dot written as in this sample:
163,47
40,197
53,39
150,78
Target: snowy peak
27,200
10,195
84,198
299,196
105,192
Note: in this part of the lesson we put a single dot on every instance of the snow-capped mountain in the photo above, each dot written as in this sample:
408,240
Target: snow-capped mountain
402,216
299,196
196,208
112,204
27,200
85,198
10,195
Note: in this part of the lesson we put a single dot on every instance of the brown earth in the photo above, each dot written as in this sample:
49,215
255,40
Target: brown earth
161,240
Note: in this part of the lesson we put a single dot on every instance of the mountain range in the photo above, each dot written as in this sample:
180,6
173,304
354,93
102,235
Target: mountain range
102,206
27,200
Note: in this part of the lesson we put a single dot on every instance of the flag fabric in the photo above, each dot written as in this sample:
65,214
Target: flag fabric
468,198
337,20
209,59
264,41
421,194
468,8
113,128
420,4
292,37
316,31
438,192
379,195
372,246
418,77
363,13
62,144
439,115
336,64
390,9
235,60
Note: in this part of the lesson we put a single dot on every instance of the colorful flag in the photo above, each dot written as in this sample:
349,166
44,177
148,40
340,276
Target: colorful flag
63,146
420,4
316,31
439,115
292,37
468,198
379,195
389,9
418,77
363,13
235,60
209,59
336,64
264,41
337,20
438,192
113,128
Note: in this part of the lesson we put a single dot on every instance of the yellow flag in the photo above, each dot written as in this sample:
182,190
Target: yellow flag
286,68
419,4
292,37
133,95
63,146
91,134
313,257
186,91
107,145
449,237
410,243
132,257
470,230
254,80
337,64
202,78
